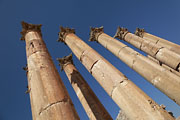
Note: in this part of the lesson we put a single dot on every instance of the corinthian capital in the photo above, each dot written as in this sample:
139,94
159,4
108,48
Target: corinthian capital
139,32
120,33
63,32
27,27
95,32
65,60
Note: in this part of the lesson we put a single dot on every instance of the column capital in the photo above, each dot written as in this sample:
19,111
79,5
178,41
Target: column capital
139,32
95,32
63,32
27,27
65,61
121,32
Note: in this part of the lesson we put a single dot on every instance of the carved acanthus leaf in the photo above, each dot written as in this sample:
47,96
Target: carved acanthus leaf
120,33
65,60
139,32
95,32
26,27
63,32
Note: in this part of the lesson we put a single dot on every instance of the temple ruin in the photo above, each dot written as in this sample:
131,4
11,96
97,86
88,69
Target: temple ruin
50,99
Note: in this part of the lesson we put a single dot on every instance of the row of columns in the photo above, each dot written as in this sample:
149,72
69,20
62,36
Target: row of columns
157,40
159,52
50,99
133,101
93,107
162,79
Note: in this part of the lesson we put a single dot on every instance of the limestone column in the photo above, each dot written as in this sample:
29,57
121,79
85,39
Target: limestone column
48,95
163,65
121,116
93,107
160,77
157,40
131,99
162,54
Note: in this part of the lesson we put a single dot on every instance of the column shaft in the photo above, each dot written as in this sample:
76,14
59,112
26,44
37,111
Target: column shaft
48,95
163,65
162,54
159,41
132,100
93,107
160,77
121,116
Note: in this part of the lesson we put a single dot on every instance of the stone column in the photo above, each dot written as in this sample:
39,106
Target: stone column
163,65
162,54
131,99
157,40
160,77
93,107
48,95
121,116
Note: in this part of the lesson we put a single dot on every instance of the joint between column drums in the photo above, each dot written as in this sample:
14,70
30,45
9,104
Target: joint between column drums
157,41
93,66
115,86
158,51
178,67
121,49
52,104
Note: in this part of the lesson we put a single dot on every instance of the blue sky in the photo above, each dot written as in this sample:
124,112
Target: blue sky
159,17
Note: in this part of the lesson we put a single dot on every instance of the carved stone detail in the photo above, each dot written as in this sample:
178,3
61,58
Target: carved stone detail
63,32
120,33
65,60
139,32
95,32
26,27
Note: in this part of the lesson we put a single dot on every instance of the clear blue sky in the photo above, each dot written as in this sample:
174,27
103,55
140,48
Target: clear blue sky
159,17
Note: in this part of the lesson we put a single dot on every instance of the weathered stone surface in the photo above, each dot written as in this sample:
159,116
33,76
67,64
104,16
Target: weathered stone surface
132,100
163,79
163,65
49,98
164,55
93,107
159,41
169,58
110,44
121,116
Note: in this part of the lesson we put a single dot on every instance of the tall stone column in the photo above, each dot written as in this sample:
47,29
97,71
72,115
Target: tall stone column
131,99
48,95
93,107
163,65
160,77
162,54
157,40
